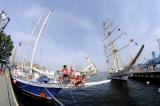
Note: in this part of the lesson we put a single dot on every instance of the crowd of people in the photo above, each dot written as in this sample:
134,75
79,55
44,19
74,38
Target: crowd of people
3,68
74,77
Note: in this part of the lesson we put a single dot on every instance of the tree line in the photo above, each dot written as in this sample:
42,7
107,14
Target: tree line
6,46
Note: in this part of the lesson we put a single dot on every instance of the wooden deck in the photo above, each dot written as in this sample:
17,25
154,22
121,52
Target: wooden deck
7,97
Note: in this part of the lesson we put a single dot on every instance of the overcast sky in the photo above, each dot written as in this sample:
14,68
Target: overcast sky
75,31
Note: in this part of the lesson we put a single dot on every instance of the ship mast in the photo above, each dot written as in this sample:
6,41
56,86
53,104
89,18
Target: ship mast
39,34
29,40
110,46
158,40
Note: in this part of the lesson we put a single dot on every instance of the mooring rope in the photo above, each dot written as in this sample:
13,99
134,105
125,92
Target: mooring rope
54,98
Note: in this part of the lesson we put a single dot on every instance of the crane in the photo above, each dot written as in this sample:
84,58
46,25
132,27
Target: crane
4,20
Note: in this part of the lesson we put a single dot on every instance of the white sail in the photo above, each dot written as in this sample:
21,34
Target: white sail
90,69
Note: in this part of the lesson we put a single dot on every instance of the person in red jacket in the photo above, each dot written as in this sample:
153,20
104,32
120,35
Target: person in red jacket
0,70
71,72
65,71
80,80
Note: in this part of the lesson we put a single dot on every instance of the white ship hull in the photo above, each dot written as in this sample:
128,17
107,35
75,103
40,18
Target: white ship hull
121,75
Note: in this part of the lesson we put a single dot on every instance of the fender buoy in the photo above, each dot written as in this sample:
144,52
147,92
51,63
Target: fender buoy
43,94
14,81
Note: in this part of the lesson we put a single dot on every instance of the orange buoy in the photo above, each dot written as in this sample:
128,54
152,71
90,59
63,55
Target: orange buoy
14,81
43,94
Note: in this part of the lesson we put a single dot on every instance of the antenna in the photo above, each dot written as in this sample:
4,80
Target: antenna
158,40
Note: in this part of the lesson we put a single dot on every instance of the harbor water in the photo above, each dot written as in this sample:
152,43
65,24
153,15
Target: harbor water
114,93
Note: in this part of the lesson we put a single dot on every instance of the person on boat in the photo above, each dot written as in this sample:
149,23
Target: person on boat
71,72
73,79
65,71
80,80
84,78
0,70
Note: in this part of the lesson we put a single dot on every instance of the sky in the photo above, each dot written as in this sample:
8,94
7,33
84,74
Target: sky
74,31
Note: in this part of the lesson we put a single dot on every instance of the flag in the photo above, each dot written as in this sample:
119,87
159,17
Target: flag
131,40
107,61
136,43
20,44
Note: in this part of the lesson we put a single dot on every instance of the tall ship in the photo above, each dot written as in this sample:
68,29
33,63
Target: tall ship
112,34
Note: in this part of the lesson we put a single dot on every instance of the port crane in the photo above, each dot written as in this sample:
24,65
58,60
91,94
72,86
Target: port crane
154,61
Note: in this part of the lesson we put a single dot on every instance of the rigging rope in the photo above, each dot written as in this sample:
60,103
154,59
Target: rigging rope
54,98
72,95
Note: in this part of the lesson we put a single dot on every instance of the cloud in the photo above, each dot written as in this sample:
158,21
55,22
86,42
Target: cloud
158,5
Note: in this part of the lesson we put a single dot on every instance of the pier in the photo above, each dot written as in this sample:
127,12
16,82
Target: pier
7,97
149,75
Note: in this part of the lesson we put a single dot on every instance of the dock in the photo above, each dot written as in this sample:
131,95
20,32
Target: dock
145,75
7,97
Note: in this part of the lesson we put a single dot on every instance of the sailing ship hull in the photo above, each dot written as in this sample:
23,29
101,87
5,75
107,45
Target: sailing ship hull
121,75
37,92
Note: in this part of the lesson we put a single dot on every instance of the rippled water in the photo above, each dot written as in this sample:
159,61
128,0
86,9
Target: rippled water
114,93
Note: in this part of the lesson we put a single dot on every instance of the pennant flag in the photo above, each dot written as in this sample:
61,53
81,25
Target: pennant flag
109,33
107,61
20,44
131,40
136,43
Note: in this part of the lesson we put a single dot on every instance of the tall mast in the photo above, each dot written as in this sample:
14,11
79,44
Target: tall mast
110,46
158,40
29,40
117,57
33,54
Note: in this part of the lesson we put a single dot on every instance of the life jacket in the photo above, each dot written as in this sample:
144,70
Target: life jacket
71,71
0,69
72,78
64,71
78,78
